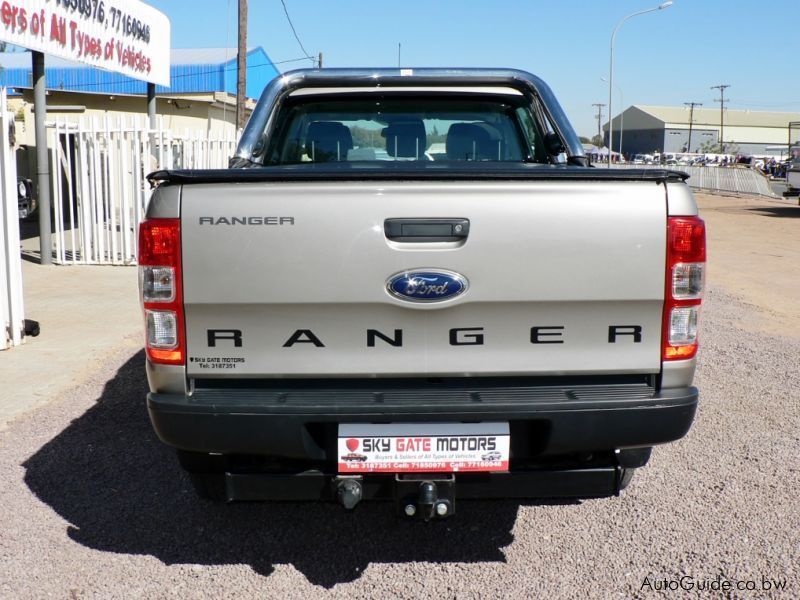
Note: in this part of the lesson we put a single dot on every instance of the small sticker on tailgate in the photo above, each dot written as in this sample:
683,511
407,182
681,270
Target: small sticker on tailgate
423,447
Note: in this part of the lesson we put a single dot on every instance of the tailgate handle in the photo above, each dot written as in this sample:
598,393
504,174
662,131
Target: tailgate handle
426,230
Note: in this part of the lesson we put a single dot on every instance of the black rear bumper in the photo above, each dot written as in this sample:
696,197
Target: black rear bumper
299,420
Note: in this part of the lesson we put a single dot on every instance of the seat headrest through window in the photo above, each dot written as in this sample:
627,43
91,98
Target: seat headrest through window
473,141
406,139
328,141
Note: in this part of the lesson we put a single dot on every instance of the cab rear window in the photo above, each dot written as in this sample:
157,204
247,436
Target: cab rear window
403,128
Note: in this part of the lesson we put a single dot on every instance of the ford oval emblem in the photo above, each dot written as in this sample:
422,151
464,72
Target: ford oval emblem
426,285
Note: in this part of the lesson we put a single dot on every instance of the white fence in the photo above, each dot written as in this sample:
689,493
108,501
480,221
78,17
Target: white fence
736,180
11,304
99,185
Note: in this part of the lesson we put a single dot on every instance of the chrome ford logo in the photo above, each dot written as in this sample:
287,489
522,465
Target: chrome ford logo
427,285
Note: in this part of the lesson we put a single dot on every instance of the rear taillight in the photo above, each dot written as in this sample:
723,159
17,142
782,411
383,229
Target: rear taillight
160,287
686,265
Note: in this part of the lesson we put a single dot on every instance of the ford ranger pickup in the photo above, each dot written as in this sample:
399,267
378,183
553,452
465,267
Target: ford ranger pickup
410,285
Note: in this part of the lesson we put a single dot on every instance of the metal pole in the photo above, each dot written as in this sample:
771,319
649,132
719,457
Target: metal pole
621,114
241,67
691,106
42,164
610,84
151,105
599,119
611,69
721,88
151,118
319,61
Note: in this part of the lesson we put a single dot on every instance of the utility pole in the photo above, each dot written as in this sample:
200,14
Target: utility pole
721,100
241,67
599,121
42,164
319,61
691,106
399,49
151,124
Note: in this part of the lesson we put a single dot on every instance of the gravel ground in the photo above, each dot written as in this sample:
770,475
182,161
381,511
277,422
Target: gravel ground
93,506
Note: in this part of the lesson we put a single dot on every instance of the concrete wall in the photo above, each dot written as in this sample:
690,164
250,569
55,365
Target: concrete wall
638,141
198,113
677,139
757,135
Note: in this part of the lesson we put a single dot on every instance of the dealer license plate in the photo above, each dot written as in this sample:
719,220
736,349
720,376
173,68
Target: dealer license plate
423,447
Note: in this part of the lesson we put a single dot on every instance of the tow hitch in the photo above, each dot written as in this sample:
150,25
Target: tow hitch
425,497
432,495
349,491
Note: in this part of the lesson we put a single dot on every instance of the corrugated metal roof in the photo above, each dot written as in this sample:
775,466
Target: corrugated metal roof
177,56
191,70
710,116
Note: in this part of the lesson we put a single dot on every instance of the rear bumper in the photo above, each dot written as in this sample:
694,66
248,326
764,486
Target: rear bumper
300,421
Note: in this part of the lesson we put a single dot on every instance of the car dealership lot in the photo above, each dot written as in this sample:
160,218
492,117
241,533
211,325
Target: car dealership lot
93,505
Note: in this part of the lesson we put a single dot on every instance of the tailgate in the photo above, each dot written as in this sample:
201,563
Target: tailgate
290,279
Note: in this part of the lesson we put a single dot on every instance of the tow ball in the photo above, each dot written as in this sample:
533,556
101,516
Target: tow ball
349,491
425,498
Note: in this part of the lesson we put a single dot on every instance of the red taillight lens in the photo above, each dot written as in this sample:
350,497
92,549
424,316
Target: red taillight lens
161,289
159,242
686,239
685,278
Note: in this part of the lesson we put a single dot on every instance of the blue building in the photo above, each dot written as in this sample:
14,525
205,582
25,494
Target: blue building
191,70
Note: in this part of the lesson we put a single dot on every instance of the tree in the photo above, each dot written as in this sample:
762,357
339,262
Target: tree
598,141
709,147
585,140
731,147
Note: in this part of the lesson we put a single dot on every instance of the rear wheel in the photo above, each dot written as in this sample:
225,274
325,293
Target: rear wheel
207,474
625,478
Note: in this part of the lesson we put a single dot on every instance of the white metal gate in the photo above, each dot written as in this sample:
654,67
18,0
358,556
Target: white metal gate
737,180
11,304
99,185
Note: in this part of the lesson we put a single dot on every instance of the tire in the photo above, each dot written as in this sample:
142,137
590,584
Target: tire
625,478
207,474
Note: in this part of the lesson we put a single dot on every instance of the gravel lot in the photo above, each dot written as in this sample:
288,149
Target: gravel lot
93,506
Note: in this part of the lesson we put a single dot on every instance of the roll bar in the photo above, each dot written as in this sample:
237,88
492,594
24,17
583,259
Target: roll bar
262,120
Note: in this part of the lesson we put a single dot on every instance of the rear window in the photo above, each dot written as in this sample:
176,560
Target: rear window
404,128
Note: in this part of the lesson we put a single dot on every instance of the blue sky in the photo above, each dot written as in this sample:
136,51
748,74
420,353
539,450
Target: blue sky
664,58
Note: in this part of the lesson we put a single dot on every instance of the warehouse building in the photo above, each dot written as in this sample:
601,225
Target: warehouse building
650,129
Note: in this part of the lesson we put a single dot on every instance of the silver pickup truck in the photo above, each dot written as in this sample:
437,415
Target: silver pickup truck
410,285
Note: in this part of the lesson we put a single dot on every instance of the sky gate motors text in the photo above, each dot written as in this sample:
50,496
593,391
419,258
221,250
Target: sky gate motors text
424,444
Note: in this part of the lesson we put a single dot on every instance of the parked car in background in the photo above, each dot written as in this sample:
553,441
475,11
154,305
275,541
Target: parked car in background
793,173
26,202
